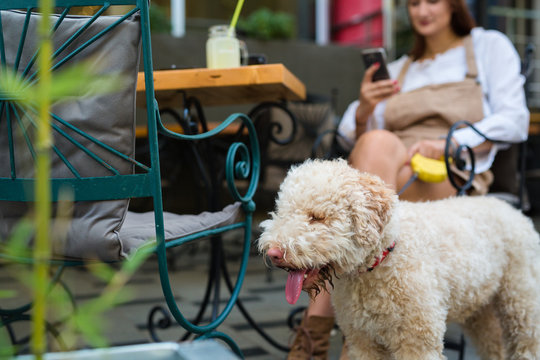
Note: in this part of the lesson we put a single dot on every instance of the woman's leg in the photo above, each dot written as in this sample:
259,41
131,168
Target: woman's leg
320,305
312,339
382,153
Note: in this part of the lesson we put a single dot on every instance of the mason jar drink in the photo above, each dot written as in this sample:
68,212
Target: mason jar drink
222,48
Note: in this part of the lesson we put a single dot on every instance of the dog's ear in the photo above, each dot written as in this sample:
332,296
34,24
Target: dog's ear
372,202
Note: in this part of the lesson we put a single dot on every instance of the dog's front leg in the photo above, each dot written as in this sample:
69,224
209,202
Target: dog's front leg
405,336
419,341
361,346
406,354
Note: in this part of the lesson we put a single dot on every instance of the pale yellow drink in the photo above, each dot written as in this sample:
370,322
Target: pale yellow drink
222,48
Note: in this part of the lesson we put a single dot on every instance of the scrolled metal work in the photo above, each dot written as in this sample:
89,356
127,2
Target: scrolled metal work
462,156
457,159
9,316
273,129
162,323
243,162
52,329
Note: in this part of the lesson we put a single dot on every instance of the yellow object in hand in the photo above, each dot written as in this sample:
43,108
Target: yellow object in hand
428,170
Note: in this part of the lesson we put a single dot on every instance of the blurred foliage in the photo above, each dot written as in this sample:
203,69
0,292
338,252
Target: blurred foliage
265,24
224,9
404,33
79,80
90,320
159,20
87,322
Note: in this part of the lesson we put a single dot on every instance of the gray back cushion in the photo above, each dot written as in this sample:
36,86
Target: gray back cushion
96,230
110,118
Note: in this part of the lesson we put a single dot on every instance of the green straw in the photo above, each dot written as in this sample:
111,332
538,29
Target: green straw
234,20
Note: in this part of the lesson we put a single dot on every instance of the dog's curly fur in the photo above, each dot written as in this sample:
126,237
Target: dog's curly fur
470,260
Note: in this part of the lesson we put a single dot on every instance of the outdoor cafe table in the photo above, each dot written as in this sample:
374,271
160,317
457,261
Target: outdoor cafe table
253,84
230,86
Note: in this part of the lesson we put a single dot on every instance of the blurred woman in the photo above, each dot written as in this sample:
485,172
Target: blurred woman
453,72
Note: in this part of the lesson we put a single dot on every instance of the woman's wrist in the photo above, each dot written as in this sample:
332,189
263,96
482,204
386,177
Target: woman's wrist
361,120
362,114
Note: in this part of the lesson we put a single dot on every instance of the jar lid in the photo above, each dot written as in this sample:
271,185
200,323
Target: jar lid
220,30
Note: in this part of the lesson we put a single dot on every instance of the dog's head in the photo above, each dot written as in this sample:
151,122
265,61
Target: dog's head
328,220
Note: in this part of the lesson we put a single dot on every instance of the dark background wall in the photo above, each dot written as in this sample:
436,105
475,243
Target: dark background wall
323,69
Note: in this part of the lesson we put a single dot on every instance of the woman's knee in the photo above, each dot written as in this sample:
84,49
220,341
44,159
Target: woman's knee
376,144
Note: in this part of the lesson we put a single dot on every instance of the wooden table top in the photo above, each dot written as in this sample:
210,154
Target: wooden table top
232,86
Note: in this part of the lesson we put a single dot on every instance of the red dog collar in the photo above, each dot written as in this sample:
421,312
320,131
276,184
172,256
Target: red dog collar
383,256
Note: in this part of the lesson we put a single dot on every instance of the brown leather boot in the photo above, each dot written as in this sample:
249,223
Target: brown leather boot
312,339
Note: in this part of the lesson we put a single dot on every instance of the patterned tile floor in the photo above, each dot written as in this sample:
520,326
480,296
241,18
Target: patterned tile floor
262,295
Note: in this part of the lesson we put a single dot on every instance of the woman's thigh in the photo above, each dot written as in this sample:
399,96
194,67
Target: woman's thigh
379,152
382,153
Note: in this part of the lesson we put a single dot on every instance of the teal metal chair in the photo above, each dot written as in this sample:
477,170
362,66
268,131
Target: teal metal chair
93,153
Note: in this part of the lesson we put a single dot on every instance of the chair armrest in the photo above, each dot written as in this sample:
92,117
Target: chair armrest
455,156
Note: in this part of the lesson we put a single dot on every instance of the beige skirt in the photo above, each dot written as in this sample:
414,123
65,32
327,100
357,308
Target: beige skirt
480,183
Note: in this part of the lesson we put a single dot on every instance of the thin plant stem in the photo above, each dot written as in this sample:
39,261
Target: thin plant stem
42,248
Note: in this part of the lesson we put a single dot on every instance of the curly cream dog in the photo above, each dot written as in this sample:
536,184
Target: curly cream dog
470,260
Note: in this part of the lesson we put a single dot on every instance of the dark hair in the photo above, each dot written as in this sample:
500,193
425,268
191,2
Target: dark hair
461,22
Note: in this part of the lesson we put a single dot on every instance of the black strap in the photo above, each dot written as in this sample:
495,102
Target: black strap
408,183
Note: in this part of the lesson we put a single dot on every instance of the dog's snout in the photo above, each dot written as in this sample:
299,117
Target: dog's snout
275,254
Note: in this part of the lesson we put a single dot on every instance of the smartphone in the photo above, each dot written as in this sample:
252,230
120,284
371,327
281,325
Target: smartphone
376,55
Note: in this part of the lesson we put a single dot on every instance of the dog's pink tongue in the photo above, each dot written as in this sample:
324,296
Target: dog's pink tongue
294,286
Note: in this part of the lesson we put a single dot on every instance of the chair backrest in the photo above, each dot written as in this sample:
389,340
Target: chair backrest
93,151
93,154
509,165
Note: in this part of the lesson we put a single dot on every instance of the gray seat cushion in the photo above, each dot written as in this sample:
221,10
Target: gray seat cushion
139,228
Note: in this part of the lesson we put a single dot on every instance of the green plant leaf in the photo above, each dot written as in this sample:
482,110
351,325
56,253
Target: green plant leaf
90,326
60,302
102,271
19,240
136,260
265,24
159,21
13,87
7,350
82,80
4,294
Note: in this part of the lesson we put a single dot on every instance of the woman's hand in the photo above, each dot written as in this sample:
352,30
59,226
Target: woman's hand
371,93
433,149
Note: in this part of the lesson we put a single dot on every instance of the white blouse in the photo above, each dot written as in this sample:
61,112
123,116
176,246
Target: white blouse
506,116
